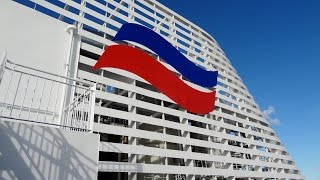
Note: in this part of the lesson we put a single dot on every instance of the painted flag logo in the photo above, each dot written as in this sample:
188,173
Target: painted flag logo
140,63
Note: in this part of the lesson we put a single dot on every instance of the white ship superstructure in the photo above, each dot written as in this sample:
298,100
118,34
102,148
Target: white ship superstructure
144,134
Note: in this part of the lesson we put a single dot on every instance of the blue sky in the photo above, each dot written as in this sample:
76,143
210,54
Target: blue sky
275,47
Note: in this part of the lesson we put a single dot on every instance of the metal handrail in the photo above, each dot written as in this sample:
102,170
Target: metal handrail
53,74
43,94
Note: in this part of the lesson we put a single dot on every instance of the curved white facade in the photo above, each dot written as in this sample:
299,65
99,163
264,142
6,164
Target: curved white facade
144,134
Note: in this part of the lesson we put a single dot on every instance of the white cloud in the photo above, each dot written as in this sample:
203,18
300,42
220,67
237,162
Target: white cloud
275,122
270,111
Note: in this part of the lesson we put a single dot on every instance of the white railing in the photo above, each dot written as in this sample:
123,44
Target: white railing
31,95
79,114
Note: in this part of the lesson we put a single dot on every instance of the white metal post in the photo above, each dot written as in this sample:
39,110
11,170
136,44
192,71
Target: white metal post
92,105
72,64
71,70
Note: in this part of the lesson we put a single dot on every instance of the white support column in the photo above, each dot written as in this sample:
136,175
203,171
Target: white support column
72,68
73,56
132,158
165,146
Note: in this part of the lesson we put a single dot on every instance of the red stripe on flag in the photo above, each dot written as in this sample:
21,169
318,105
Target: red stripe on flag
138,62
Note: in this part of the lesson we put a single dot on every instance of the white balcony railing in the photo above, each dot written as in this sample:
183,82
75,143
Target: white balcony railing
35,96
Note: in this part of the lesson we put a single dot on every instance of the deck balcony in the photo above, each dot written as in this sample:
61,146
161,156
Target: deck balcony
34,96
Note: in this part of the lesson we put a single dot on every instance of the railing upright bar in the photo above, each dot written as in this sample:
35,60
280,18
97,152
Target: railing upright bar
3,65
81,111
5,97
77,111
47,108
24,96
40,101
86,112
34,91
56,103
15,95
62,104
86,107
